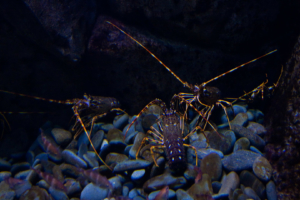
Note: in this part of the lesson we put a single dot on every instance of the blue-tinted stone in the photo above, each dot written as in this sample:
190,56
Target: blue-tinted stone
239,160
71,158
93,192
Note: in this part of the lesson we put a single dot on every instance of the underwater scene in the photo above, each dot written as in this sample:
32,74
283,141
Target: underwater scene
153,100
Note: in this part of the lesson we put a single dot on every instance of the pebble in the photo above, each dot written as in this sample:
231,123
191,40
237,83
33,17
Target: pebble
114,136
71,158
250,180
120,121
131,165
257,128
4,165
251,193
93,192
242,143
201,188
240,119
262,168
161,181
216,186
271,191
138,174
230,183
72,186
91,161
224,144
254,149
212,165
258,116
125,191
206,151
106,127
158,170
22,174
115,181
132,193
254,139
4,174
97,139
148,121
152,195
239,160
115,158
190,172
35,193
82,150
183,195
61,136
57,194
136,144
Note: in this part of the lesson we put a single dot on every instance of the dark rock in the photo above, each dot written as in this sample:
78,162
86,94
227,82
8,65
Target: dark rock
61,136
230,183
254,139
249,180
239,160
158,182
271,191
242,143
212,165
224,144
262,168
131,165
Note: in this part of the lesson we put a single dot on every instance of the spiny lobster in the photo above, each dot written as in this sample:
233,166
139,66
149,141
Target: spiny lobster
94,107
207,97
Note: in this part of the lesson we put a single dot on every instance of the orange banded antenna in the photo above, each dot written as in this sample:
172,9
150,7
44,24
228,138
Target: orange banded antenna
163,64
242,65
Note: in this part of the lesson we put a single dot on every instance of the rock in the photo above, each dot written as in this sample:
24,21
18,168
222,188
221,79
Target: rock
271,191
91,161
114,136
4,165
152,195
212,165
106,127
206,151
120,121
183,195
240,119
58,194
254,139
35,193
131,165
62,137
93,192
158,182
115,158
262,168
4,174
202,188
237,109
230,183
239,160
82,150
136,144
71,158
148,121
258,116
216,186
254,149
125,191
257,128
251,193
138,174
72,186
21,175
97,139
190,172
242,143
157,170
132,193
224,144
116,185
249,180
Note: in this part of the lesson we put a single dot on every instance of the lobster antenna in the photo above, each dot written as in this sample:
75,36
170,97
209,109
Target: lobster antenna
163,64
40,98
242,65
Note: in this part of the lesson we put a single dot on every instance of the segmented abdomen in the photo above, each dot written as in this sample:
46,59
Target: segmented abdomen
173,142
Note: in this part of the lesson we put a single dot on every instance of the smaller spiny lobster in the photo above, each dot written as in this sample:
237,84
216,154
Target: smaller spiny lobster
92,107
